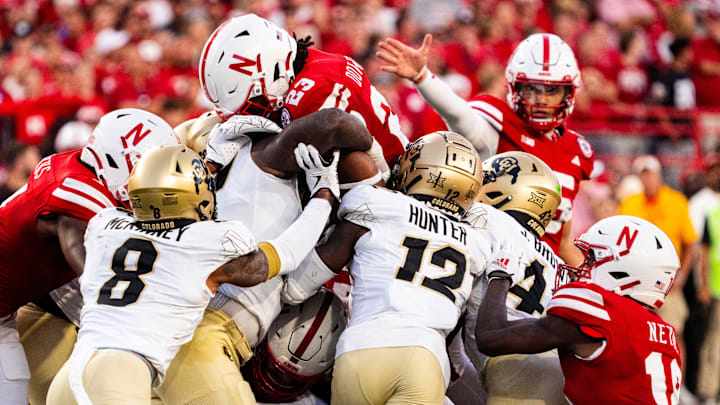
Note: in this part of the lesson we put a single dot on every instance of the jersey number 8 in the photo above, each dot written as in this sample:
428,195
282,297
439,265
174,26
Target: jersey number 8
125,287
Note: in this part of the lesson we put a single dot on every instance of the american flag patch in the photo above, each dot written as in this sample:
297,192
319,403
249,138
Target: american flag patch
660,285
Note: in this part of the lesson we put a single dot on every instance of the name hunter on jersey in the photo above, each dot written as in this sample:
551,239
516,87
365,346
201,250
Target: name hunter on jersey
437,223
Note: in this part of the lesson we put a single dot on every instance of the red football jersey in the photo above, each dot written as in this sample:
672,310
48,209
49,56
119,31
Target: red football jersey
336,81
32,265
640,363
570,156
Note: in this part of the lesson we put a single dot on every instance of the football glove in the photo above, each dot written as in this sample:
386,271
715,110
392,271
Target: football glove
226,139
506,262
319,174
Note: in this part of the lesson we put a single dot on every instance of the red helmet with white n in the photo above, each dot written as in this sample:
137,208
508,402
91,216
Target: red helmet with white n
299,349
117,143
629,256
247,66
542,60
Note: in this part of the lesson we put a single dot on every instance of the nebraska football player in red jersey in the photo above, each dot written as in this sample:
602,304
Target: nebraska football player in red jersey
244,69
42,225
542,77
614,349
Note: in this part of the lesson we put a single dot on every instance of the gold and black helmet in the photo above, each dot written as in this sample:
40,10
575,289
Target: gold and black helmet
523,186
195,132
441,168
169,187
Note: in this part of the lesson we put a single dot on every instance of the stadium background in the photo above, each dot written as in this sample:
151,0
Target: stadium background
651,71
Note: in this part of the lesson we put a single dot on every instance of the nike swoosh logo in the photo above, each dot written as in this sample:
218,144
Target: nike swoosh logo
317,180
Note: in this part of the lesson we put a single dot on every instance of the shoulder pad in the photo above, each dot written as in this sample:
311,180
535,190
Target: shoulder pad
367,205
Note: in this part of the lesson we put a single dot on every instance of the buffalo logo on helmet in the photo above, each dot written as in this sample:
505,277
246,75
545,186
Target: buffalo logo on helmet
199,173
413,152
506,165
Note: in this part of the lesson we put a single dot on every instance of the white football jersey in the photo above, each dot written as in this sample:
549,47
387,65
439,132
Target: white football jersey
413,272
146,291
527,299
267,205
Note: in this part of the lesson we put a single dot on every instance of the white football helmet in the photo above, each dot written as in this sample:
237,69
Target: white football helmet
300,348
117,143
543,59
628,256
246,66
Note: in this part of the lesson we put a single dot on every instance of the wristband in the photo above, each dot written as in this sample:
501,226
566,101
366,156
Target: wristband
420,76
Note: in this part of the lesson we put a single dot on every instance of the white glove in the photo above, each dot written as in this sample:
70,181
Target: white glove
507,262
318,173
306,280
227,138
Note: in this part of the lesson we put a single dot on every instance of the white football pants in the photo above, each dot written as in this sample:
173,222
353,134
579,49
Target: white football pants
14,370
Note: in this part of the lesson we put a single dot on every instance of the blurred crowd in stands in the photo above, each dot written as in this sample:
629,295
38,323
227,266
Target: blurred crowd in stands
63,63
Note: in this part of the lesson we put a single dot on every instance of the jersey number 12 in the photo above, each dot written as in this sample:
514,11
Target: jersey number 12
444,285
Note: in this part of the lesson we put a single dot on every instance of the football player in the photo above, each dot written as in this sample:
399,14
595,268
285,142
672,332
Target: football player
542,77
251,66
48,337
42,224
299,350
522,194
257,185
413,263
614,348
133,320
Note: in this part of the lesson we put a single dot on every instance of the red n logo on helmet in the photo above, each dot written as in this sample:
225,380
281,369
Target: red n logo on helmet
244,62
137,135
629,239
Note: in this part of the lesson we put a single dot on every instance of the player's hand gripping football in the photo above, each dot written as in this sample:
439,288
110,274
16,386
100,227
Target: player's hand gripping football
318,173
403,60
506,262
226,139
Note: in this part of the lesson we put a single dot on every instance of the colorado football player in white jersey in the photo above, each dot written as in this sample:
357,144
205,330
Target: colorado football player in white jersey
149,276
257,185
413,262
522,194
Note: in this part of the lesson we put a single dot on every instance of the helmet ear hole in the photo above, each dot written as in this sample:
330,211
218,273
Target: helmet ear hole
618,274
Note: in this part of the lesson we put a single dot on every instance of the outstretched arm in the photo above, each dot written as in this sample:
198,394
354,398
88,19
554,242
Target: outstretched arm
326,129
279,255
323,263
410,63
285,252
495,335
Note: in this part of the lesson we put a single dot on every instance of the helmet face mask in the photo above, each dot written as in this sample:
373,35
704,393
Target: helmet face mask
521,185
247,66
549,114
628,256
117,143
542,60
442,169
171,187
